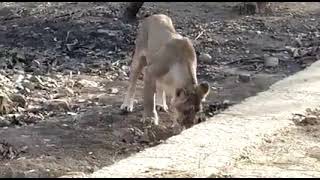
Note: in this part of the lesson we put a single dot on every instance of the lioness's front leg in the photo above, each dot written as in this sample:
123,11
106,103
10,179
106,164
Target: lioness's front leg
151,74
150,114
138,62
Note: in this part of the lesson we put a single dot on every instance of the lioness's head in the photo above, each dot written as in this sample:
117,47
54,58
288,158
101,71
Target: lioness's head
187,103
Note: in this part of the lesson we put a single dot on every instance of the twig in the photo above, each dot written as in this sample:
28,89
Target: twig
251,60
274,50
115,63
300,115
199,35
67,36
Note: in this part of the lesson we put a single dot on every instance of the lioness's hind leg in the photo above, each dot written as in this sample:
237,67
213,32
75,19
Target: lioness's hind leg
138,62
161,104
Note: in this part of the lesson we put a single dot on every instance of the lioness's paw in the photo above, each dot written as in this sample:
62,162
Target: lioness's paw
127,107
162,108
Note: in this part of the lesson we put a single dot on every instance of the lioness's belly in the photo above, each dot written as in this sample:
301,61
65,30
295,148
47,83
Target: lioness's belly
175,78
166,87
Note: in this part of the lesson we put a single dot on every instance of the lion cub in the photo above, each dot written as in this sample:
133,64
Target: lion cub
169,64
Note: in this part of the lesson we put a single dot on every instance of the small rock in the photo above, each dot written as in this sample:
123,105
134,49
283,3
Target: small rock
20,109
18,66
205,57
219,50
103,99
3,28
5,11
125,134
113,91
72,113
271,61
298,42
290,49
51,82
30,118
57,105
4,122
38,83
18,78
69,83
86,83
21,56
314,152
74,175
57,96
36,79
125,68
65,91
244,77
36,63
24,149
34,109
295,53
19,99
5,104
144,138
309,120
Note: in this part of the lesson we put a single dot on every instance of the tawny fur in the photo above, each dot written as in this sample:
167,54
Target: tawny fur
168,62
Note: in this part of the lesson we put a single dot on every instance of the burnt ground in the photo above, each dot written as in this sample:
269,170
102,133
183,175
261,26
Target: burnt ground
65,66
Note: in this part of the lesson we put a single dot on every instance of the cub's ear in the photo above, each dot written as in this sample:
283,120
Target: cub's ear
203,90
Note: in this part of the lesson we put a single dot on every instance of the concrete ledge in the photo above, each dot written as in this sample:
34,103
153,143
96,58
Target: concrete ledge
212,146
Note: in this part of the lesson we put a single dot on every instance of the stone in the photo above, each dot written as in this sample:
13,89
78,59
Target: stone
19,99
244,77
309,120
5,11
298,42
5,104
205,57
57,105
4,122
74,175
271,61
28,84
36,80
65,91
87,83
124,134
314,152
113,91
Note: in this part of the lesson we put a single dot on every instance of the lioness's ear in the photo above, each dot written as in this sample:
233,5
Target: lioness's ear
203,90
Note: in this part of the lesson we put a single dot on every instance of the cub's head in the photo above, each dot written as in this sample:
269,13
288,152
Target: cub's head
187,103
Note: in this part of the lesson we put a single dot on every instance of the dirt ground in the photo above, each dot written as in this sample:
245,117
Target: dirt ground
65,66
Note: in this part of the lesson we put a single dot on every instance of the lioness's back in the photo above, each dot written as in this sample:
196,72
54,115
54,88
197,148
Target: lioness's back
157,29
160,21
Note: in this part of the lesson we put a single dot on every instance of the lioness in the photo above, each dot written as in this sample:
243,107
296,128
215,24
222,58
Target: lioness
169,62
